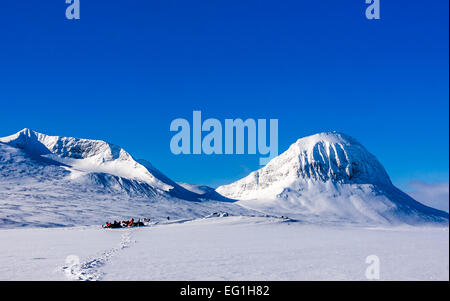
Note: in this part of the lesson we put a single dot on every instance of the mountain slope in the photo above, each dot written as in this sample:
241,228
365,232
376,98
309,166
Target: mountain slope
329,177
99,162
59,181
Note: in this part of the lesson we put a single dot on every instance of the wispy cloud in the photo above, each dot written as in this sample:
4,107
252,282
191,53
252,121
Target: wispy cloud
435,195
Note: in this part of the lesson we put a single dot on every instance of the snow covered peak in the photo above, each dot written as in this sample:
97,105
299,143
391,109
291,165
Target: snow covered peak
83,155
67,147
323,157
328,177
102,163
332,156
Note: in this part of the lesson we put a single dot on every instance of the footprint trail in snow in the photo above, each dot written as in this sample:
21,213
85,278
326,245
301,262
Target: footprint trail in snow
89,270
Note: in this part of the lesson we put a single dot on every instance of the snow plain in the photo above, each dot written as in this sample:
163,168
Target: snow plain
224,248
55,192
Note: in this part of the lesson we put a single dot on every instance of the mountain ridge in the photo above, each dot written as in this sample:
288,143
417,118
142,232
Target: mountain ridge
52,181
104,163
327,177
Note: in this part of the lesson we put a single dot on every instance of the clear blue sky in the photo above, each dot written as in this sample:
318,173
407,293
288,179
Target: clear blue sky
126,69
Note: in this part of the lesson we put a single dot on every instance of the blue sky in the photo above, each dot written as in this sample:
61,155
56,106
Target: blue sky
126,69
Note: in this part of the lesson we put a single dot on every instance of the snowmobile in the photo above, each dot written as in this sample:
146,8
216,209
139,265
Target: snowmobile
114,225
137,224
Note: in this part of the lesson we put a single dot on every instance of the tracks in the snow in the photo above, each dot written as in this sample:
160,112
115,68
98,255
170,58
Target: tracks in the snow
89,270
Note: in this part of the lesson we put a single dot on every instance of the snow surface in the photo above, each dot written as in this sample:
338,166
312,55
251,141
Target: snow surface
228,248
55,192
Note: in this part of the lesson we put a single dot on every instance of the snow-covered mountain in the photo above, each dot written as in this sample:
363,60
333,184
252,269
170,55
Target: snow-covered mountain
84,156
61,181
329,177
99,162
51,180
